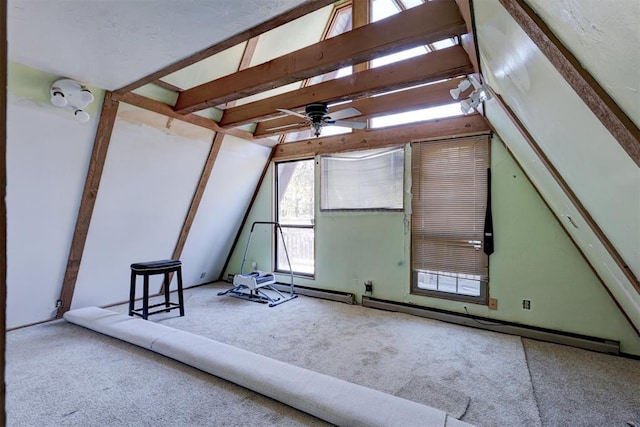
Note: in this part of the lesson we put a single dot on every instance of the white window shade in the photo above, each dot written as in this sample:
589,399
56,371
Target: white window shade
368,179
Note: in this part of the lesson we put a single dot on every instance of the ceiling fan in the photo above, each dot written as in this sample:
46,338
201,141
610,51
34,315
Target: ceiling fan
317,115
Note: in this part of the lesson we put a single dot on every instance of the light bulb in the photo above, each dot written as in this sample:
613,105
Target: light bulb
58,99
86,98
462,86
82,116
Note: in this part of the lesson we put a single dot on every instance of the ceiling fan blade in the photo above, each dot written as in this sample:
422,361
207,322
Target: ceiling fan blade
291,113
347,124
344,114
290,125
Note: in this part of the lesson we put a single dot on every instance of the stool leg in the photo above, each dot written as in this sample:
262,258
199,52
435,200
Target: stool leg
180,297
145,298
166,290
132,292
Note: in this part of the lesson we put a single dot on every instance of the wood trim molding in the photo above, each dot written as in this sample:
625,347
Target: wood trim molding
431,22
290,15
439,65
455,127
89,196
195,201
588,89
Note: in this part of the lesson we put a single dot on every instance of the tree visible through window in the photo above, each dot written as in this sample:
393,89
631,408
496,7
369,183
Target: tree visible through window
295,212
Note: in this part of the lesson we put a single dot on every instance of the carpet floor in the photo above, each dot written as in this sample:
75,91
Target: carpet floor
59,374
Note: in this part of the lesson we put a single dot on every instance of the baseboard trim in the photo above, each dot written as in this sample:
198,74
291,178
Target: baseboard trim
338,296
575,340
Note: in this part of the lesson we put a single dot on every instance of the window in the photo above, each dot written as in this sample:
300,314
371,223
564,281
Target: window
449,197
295,212
367,179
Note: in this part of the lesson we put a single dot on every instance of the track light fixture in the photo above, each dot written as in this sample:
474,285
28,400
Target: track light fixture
70,94
479,94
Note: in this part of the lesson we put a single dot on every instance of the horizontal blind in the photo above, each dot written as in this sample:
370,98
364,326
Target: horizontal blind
449,194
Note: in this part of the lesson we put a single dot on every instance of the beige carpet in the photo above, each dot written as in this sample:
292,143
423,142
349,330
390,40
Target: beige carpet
61,374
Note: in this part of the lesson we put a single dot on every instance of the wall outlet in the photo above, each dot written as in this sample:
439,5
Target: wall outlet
493,304
526,304
368,287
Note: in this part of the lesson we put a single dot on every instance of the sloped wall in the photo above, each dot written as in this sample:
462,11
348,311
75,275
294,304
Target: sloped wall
534,260
603,177
151,172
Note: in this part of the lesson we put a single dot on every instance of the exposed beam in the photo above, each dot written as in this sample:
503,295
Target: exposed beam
360,16
455,127
290,15
89,196
195,201
439,65
588,89
468,40
396,102
431,22
546,163
166,110
167,86
245,61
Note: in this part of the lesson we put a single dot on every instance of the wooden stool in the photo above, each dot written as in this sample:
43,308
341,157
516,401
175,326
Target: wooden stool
150,268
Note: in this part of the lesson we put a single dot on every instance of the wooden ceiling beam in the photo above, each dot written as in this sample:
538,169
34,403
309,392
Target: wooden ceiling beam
290,15
439,65
431,22
166,110
393,103
455,127
588,89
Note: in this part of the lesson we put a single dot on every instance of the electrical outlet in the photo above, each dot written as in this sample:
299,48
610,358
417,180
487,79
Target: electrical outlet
493,304
526,304
368,287
202,275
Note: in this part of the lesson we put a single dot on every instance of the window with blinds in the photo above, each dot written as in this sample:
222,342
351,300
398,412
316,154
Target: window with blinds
363,180
449,200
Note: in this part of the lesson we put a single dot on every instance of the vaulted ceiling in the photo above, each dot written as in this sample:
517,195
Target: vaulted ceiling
237,85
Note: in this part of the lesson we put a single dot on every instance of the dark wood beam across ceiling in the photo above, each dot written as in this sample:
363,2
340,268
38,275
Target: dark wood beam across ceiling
397,102
455,127
439,65
428,23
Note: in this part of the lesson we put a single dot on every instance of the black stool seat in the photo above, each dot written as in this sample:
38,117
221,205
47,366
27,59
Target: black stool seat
150,268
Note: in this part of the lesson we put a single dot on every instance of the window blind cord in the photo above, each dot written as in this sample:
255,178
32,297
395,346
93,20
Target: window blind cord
488,219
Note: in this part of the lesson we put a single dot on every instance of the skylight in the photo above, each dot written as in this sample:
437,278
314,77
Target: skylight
431,113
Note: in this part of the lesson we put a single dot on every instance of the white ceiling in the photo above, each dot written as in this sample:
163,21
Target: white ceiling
111,43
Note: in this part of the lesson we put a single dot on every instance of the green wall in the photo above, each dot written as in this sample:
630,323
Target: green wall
32,84
534,259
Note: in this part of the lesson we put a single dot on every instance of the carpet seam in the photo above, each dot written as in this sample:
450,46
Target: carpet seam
533,386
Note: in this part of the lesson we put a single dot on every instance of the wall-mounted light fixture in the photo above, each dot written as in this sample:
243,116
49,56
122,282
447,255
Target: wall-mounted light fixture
67,93
478,95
